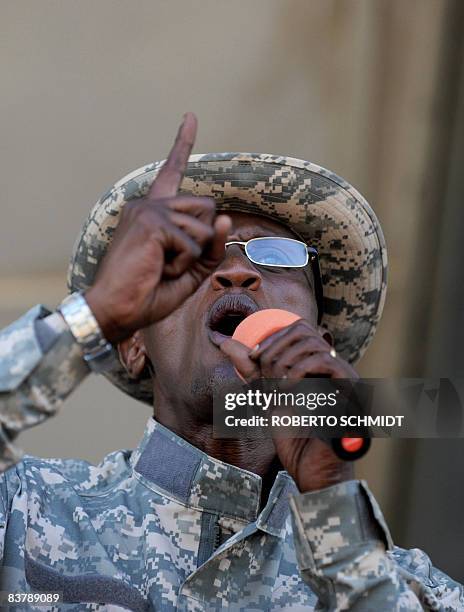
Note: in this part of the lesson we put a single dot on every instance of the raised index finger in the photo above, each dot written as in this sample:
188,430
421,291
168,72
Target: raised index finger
171,174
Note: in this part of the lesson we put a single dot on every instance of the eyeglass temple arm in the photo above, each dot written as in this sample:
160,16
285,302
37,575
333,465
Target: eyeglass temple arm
318,289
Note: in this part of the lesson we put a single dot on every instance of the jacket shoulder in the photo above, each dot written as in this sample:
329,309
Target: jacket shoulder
84,477
19,349
415,565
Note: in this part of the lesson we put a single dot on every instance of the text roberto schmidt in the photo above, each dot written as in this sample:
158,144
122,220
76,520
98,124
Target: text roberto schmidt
315,420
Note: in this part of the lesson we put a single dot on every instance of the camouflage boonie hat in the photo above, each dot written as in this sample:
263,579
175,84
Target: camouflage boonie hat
325,210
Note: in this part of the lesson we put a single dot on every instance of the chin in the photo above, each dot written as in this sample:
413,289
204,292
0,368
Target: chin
212,381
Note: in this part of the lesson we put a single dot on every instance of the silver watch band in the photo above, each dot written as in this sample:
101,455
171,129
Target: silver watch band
98,352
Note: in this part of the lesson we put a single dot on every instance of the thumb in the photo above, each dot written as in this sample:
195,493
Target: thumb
238,353
216,250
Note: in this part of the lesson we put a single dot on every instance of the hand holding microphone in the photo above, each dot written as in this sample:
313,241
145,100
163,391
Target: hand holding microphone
283,345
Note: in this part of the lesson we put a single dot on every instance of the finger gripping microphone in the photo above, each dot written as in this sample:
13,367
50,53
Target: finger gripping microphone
261,324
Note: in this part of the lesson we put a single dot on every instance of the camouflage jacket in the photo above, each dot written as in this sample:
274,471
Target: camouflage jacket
167,527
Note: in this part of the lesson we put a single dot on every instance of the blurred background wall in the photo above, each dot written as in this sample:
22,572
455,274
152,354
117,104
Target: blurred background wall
372,89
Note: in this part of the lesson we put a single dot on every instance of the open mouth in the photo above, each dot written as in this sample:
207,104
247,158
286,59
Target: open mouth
226,314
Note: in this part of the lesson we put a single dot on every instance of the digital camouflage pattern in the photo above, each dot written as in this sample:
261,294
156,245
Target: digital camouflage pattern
32,384
325,210
166,527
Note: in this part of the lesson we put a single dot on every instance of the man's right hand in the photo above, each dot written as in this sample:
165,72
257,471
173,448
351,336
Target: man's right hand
165,245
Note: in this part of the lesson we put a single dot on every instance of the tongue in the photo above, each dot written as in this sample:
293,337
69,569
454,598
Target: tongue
261,324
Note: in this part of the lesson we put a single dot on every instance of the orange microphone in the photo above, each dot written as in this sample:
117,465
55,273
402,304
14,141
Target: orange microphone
261,324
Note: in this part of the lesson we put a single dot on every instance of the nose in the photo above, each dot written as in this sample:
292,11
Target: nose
236,271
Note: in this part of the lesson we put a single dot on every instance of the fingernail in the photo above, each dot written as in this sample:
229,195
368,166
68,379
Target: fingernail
253,351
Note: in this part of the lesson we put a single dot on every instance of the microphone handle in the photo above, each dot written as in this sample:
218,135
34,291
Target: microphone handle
350,449
347,448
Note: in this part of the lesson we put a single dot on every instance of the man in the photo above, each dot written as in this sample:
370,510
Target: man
187,521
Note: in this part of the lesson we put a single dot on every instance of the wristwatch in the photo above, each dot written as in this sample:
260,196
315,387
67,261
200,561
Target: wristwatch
99,354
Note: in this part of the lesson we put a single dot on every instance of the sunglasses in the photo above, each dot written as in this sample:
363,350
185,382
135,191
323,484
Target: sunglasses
278,252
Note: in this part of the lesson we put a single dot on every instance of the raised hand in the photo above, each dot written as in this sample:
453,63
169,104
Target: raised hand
165,245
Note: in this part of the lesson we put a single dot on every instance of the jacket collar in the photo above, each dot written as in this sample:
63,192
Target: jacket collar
163,460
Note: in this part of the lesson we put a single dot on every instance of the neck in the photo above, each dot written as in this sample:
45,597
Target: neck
256,455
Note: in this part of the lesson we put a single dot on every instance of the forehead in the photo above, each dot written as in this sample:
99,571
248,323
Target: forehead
250,225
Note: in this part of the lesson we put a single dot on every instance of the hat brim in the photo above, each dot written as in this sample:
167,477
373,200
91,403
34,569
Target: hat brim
324,209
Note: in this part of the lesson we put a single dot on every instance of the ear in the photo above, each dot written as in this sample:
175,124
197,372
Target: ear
326,334
133,355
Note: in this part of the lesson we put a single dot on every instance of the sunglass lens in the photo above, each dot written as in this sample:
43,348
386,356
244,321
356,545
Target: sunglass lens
277,252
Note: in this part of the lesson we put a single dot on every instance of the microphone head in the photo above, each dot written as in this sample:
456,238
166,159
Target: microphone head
261,324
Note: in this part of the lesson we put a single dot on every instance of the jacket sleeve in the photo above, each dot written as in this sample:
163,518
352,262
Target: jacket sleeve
40,364
346,555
